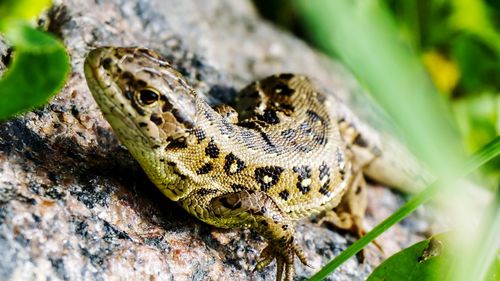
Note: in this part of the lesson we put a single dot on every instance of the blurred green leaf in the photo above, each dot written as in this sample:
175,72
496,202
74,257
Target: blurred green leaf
478,118
472,16
494,270
40,63
479,66
483,259
33,77
418,262
426,259
26,10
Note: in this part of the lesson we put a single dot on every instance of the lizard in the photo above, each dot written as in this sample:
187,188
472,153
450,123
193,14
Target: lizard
282,152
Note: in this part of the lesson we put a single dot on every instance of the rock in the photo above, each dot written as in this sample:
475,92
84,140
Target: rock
74,205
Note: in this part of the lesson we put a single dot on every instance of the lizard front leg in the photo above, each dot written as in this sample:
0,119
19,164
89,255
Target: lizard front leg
255,209
350,212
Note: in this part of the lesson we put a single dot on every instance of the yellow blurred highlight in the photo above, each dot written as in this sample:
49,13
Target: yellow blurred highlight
444,72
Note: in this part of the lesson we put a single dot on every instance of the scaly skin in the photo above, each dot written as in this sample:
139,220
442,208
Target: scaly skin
286,151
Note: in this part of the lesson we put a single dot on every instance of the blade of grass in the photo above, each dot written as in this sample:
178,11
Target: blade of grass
489,244
488,152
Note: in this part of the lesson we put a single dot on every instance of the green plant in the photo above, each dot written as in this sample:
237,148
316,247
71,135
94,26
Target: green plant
39,65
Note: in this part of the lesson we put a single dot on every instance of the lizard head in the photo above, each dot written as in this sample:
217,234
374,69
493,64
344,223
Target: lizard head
146,101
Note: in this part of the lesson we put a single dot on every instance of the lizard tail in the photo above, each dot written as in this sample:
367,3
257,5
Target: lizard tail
395,166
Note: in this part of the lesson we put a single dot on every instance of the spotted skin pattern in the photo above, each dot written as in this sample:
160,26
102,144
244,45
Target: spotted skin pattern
279,155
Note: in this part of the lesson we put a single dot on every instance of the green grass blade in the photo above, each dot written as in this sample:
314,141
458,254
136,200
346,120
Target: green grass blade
488,246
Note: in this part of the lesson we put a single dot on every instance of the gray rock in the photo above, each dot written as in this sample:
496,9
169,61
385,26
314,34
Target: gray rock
74,205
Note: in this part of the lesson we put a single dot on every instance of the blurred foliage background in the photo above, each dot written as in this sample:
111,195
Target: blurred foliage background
458,41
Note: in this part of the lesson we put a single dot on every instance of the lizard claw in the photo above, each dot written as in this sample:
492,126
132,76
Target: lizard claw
284,259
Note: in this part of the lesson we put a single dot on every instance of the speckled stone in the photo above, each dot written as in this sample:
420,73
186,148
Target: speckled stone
74,205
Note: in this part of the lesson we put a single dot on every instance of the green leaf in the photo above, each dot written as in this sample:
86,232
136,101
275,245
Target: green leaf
26,38
483,262
418,262
39,68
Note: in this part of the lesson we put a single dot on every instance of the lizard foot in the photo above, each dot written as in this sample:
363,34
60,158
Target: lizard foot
348,215
284,256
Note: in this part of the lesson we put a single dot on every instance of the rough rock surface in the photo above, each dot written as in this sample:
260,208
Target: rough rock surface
74,205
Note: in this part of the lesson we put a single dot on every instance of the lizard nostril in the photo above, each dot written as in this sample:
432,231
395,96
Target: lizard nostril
156,119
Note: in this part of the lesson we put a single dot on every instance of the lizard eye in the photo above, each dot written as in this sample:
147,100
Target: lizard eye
148,96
